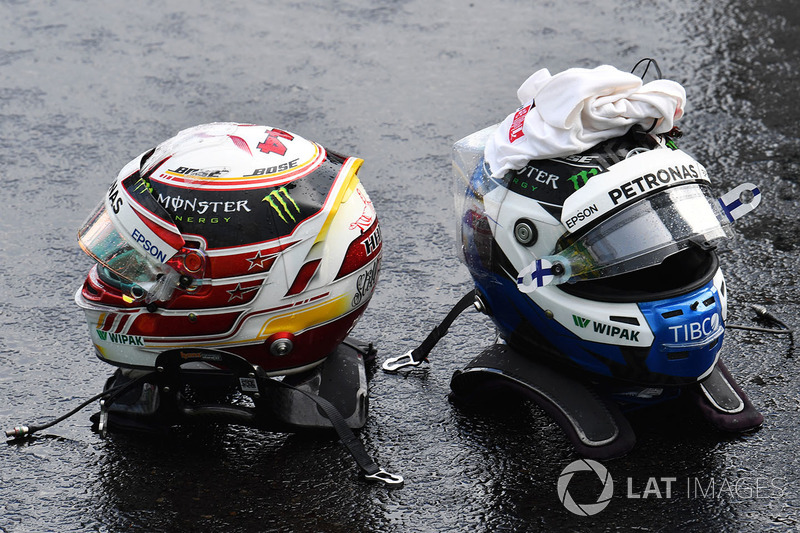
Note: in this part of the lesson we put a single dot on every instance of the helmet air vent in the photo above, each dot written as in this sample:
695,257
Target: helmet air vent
632,320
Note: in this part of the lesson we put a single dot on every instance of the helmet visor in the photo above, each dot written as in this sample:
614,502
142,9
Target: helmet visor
644,234
100,239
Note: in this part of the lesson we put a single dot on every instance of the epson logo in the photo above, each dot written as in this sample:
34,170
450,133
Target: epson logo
148,246
580,216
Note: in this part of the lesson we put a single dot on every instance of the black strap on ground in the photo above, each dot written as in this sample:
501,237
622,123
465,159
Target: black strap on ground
170,363
369,468
421,352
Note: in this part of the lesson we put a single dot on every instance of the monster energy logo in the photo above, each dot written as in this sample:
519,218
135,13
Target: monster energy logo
142,184
278,200
584,176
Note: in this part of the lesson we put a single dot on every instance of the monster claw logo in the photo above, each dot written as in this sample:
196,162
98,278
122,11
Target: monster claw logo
142,184
279,199
584,176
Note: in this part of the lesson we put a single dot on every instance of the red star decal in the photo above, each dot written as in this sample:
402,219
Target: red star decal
258,260
238,292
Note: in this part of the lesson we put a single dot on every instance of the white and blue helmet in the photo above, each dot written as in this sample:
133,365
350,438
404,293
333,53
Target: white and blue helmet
603,260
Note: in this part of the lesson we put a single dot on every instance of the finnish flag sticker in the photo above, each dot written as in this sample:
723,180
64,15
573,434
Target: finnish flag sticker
739,201
537,274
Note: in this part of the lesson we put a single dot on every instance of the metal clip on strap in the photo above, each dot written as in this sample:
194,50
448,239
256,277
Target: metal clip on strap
102,425
393,364
417,356
382,476
369,468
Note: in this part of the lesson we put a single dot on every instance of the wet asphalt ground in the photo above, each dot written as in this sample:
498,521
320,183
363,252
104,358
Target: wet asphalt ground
85,86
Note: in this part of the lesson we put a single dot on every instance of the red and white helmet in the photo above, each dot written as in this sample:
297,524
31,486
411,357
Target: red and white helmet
242,238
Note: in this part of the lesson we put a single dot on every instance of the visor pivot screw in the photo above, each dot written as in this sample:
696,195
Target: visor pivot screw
525,232
557,269
281,347
192,317
152,307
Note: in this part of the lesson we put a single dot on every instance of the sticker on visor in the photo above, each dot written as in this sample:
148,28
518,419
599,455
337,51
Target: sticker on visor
643,235
740,201
537,274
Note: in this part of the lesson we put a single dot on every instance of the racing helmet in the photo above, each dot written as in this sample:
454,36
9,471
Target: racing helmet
234,237
605,260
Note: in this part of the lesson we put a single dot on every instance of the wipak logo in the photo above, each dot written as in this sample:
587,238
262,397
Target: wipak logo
580,321
283,204
134,340
606,329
